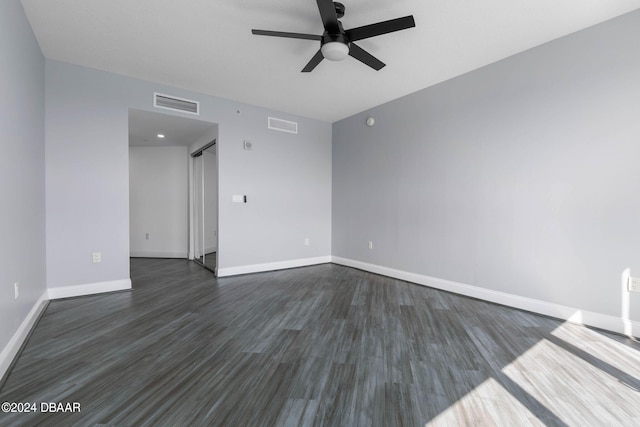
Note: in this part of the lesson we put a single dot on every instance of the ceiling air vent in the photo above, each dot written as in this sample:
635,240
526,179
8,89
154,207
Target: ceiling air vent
176,104
283,125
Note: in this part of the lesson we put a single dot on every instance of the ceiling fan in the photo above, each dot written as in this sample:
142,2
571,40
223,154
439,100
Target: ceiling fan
336,42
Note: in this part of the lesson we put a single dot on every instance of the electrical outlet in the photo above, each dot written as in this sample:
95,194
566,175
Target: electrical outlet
306,241
97,257
633,285
370,244
16,289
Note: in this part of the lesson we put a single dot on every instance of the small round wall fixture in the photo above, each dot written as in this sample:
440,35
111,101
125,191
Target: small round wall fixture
371,121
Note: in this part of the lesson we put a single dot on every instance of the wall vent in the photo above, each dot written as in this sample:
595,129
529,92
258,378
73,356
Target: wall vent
176,104
282,125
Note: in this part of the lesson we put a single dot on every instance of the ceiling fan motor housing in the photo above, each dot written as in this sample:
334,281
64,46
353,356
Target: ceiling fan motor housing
340,38
335,46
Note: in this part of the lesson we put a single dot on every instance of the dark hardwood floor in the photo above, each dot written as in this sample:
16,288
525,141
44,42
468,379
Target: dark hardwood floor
317,346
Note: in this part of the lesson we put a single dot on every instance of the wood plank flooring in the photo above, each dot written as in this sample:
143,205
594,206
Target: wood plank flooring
316,346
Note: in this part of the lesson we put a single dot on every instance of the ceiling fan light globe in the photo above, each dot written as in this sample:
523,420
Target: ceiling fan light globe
335,51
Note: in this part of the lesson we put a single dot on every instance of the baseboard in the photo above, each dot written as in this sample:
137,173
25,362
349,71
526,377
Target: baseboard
570,314
89,289
12,348
256,268
151,254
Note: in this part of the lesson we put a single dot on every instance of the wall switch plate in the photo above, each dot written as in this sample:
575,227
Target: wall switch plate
97,257
16,289
306,241
633,285
370,244
237,198
146,236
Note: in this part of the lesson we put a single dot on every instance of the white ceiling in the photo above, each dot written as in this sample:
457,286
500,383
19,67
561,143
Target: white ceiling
144,127
207,46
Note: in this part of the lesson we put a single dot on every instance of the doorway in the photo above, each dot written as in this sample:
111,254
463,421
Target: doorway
161,186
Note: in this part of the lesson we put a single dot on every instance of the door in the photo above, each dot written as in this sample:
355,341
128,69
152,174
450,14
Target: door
205,206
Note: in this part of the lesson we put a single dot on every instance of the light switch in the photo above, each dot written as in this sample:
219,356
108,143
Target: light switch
237,198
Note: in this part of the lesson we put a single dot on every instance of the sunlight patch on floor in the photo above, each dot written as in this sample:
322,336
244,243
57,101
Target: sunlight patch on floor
573,364
489,404
606,352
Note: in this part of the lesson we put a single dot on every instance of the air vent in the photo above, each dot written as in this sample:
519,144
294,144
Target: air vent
283,125
176,104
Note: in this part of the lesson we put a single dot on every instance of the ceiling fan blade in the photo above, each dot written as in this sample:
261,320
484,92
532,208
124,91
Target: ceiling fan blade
365,57
380,28
314,62
329,16
285,34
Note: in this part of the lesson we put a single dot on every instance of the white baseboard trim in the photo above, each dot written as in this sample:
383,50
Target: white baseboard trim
151,254
280,265
570,314
89,289
15,343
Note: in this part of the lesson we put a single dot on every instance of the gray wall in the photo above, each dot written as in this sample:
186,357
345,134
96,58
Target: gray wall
287,177
22,220
159,202
520,177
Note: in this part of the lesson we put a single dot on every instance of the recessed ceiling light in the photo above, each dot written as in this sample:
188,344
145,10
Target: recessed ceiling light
160,135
